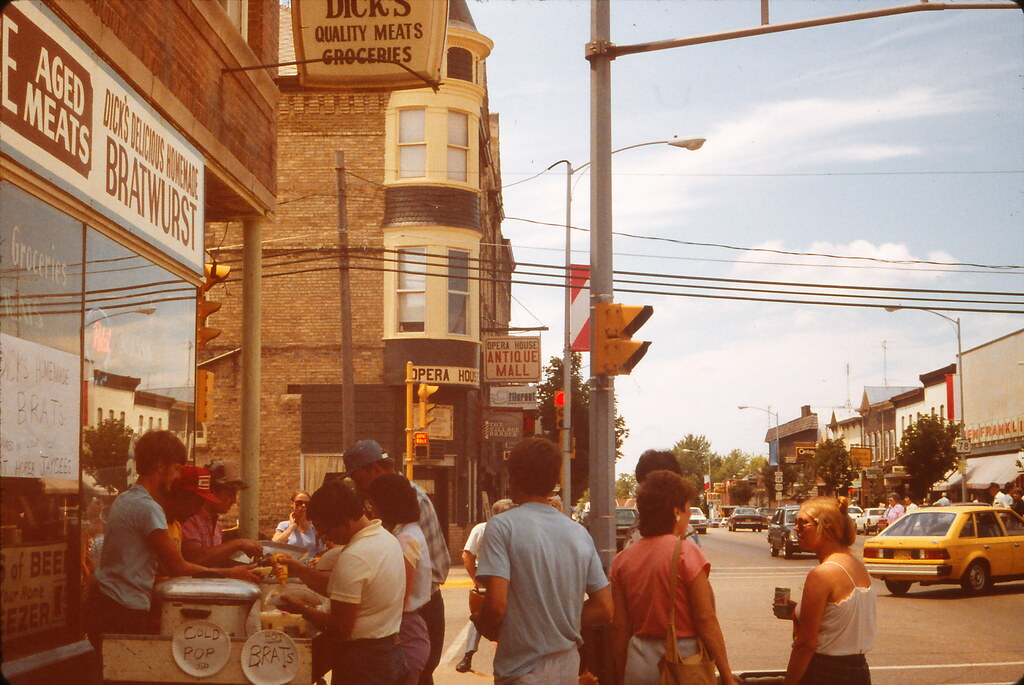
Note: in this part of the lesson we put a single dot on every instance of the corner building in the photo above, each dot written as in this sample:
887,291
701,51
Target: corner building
429,274
125,126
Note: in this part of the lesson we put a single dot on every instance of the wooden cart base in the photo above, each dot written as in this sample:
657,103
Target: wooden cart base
148,659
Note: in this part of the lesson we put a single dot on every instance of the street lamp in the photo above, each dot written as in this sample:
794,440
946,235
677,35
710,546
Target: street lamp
566,435
777,441
960,383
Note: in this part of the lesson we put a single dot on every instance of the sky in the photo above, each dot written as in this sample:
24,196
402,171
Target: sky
897,139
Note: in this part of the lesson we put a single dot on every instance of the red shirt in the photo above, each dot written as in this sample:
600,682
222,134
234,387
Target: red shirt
643,574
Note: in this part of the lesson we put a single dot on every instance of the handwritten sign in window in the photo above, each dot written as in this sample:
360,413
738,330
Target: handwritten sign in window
34,589
40,391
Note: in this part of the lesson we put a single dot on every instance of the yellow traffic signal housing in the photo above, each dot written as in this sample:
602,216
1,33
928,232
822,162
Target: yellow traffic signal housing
215,273
424,392
614,324
204,401
559,410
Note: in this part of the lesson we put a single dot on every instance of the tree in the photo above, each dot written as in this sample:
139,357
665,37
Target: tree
832,465
740,492
580,412
105,456
927,451
694,453
625,486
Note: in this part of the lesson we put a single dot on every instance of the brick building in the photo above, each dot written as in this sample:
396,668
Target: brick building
124,127
429,274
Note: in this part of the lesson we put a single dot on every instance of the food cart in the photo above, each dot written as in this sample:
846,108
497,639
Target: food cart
219,630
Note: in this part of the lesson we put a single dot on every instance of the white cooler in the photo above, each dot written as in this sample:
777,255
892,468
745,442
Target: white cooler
223,601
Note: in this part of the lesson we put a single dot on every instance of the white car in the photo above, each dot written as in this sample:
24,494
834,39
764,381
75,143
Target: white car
853,511
698,520
867,522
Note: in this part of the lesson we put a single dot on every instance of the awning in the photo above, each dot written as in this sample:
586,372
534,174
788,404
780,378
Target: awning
998,468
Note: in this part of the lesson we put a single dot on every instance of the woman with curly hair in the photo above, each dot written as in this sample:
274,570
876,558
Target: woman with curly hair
642,587
834,624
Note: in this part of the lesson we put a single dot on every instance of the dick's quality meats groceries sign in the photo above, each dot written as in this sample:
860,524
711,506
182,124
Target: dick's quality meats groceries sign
67,116
369,43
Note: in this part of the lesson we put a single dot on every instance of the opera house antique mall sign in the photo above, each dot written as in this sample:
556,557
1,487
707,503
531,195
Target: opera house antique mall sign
388,44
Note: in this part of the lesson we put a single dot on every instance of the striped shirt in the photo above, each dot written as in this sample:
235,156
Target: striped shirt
440,560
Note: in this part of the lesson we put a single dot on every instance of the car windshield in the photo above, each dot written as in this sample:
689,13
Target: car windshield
625,517
696,513
854,510
930,524
791,516
744,511
874,512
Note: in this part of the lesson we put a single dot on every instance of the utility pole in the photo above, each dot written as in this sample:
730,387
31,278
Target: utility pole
348,389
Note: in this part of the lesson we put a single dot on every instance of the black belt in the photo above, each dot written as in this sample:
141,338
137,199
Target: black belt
392,639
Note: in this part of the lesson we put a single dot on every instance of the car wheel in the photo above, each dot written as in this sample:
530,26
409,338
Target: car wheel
898,588
976,578
774,549
732,528
787,551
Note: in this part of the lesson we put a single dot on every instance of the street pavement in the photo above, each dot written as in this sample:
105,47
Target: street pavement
933,636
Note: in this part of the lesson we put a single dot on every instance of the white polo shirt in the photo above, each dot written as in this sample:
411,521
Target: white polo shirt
370,572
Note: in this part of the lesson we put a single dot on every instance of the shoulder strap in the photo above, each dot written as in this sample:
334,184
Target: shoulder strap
671,646
836,563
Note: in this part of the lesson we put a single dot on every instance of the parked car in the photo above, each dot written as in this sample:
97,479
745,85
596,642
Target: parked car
698,520
625,519
867,522
782,533
854,511
747,517
974,546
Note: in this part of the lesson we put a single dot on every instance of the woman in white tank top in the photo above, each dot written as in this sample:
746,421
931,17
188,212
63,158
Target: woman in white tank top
834,624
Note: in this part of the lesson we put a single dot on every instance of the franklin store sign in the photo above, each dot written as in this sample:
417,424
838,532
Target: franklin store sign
369,43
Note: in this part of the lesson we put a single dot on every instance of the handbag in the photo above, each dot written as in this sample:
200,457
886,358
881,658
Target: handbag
673,669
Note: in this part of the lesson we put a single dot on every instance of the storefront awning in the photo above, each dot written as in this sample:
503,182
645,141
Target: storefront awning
998,468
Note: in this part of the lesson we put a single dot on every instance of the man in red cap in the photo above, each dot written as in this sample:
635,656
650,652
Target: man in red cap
202,537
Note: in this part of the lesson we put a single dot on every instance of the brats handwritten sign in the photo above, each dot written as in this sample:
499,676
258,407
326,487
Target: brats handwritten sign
40,390
66,115
388,44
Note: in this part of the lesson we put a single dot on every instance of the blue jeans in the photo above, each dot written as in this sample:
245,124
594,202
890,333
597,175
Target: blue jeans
369,662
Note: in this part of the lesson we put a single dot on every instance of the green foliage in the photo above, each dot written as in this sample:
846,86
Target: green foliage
741,492
693,453
832,465
927,451
625,486
105,456
580,415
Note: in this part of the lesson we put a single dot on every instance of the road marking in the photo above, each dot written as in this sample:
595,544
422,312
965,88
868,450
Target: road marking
969,665
454,651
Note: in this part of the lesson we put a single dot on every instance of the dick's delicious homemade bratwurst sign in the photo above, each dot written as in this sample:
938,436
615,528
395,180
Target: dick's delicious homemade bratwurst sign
67,116
369,43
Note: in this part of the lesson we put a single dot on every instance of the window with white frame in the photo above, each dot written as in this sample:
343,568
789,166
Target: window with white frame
412,289
458,292
238,11
458,146
412,143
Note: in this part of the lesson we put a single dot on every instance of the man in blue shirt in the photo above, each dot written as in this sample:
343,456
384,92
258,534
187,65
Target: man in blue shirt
136,542
536,565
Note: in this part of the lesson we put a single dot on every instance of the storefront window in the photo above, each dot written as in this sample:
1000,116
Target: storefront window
80,349
40,415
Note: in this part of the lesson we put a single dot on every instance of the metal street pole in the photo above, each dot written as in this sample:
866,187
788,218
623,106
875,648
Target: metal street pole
960,382
567,350
602,387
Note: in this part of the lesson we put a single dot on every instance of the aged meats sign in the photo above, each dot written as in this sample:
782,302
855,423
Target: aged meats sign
66,115
387,44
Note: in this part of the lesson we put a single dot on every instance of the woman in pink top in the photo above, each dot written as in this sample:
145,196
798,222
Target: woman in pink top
641,580
835,622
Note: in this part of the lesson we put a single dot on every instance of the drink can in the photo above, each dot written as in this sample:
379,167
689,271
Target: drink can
782,595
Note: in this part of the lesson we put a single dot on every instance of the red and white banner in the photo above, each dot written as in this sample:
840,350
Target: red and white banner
579,310
707,483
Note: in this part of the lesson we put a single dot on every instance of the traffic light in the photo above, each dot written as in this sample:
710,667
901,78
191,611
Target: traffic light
559,410
421,445
614,324
424,392
204,388
215,273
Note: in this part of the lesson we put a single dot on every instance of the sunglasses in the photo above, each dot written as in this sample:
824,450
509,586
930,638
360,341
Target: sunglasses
803,523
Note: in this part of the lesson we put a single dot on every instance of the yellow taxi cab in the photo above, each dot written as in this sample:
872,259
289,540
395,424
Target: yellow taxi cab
973,545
